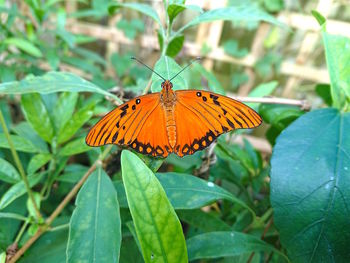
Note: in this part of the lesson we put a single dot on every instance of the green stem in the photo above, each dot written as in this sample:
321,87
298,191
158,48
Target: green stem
19,165
20,233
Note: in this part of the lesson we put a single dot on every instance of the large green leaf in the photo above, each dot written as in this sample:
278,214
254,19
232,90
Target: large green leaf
337,50
53,82
37,115
95,226
167,68
157,226
244,12
225,244
310,187
8,173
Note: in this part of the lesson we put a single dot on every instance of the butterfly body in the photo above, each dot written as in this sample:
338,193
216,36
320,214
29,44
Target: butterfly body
180,122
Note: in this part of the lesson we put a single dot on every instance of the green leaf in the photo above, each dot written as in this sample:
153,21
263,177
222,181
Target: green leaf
175,46
226,244
189,192
233,13
23,45
17,190
324,91
142,8
274,5
76,121
310,187
30,205
213,82
203,220
49,248
73,173
131,28
157,226
25,130
8,227
75,147
320,18
263,89
337,50
37,115
231,48
53,82
64,109
8,173
95,226
20,144
37,162
173,10
167,68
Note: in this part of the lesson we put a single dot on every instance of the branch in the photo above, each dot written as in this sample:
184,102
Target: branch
303,104
59,208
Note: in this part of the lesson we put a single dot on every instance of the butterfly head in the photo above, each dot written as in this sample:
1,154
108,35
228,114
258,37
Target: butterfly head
167,85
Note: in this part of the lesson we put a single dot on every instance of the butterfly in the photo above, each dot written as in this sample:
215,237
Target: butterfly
181,122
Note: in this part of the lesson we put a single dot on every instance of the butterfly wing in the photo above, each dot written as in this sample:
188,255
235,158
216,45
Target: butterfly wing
138,123
202,116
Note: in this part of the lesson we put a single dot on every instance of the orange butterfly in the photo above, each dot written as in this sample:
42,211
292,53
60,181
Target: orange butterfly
180,122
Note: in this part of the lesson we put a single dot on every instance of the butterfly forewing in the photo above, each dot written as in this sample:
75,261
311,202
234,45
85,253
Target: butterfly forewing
134,124
202,116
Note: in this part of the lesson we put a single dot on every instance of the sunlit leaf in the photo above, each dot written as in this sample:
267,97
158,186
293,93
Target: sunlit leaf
53,82
157,226
37,115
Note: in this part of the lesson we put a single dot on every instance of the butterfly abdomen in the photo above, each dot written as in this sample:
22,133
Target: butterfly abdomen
170,125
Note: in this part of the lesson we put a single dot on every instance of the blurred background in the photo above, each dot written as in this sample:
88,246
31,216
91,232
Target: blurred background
81,37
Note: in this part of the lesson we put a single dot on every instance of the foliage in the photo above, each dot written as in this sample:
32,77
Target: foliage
134,208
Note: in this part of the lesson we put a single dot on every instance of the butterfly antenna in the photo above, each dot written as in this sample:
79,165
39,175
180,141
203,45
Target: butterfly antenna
148,67
189,64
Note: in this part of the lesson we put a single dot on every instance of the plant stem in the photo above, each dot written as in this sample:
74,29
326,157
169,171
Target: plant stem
19,165
21,231
303,104
59,208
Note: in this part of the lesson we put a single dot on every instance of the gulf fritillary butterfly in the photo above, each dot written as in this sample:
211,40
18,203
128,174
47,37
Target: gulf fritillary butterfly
180,122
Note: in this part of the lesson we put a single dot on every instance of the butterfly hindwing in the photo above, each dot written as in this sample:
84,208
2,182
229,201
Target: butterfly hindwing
202,116
131,124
